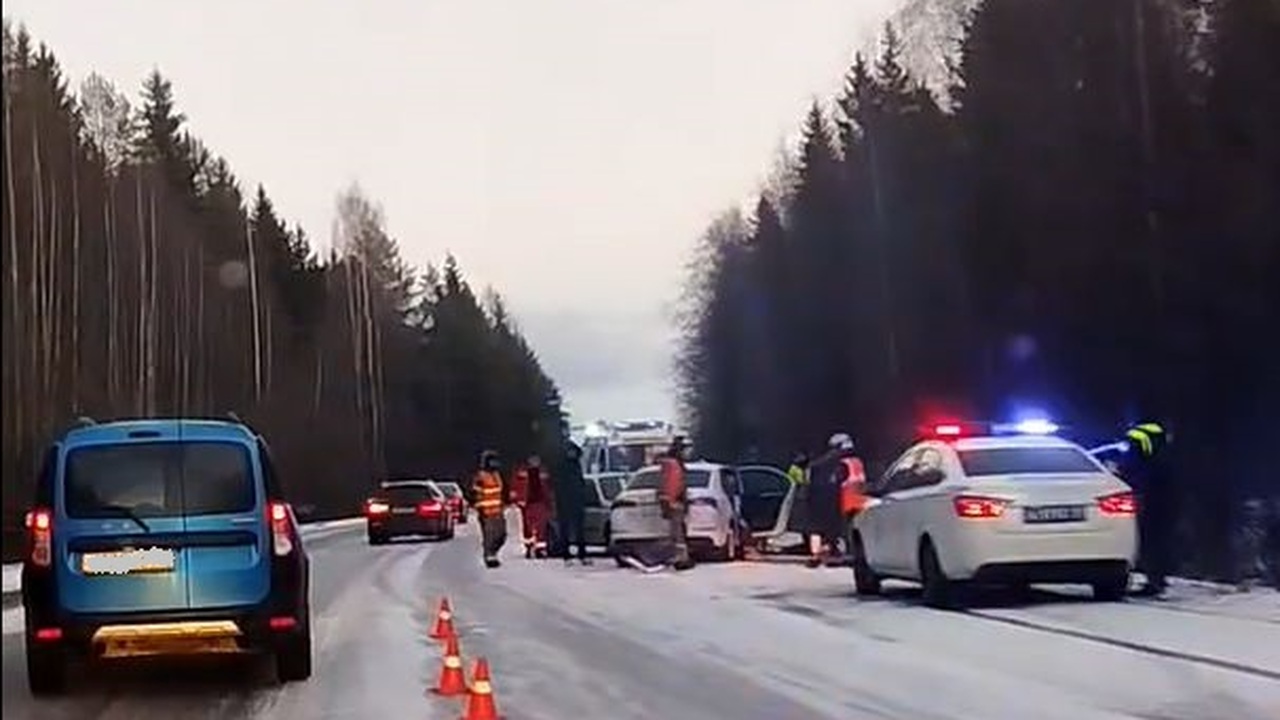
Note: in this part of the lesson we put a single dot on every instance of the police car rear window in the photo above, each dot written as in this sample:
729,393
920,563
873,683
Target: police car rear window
651,480
161,479
1025,461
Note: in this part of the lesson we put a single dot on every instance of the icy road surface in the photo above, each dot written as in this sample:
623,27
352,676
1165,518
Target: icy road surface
744,641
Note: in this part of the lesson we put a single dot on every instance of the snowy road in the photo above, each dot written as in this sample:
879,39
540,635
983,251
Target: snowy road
744,641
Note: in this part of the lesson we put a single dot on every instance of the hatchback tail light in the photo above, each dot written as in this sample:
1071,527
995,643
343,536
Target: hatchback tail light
430,508
40,534
977,507
376,508
1122,504
282,530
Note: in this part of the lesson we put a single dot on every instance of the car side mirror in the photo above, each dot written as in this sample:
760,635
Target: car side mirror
930,476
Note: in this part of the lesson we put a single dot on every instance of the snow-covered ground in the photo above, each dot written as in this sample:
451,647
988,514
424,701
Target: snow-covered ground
13,572
749,641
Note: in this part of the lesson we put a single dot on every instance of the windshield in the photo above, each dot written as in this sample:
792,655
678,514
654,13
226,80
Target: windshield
632,457
1026,461
159,479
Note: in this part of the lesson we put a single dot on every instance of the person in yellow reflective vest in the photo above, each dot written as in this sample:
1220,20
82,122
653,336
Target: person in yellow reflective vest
490,501
1145,469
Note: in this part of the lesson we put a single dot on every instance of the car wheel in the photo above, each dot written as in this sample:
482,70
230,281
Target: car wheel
939,591
865,580
46,671
1113,589
293,659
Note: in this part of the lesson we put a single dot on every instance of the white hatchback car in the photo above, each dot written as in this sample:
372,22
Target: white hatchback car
999,510
727,505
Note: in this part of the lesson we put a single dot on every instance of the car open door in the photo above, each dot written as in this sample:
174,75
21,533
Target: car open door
766,499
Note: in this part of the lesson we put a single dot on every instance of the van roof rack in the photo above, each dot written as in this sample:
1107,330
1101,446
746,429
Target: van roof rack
83,421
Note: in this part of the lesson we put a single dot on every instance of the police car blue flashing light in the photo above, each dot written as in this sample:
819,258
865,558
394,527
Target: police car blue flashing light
1036,426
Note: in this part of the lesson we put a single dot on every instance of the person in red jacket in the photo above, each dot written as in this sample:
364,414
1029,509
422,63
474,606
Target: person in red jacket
533,495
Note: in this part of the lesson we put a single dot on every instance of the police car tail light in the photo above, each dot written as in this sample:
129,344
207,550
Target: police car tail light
1122,504
977,507
281,528
40,530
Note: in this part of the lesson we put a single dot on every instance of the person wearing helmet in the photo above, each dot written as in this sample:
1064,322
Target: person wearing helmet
490,500
674,500
825,521
1145,468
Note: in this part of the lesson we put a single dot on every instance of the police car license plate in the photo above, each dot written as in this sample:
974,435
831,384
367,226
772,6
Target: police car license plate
125,562
1053,514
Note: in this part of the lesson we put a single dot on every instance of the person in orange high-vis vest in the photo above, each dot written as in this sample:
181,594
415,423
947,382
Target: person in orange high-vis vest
853,486
674,500
531,491
488,493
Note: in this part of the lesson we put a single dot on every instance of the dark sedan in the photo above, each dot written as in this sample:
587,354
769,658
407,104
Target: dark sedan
408,507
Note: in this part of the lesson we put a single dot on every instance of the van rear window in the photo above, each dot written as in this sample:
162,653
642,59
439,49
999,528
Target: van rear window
162,479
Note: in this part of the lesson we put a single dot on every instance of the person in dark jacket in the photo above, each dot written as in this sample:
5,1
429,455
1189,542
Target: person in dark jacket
826,525
571,504
1145,468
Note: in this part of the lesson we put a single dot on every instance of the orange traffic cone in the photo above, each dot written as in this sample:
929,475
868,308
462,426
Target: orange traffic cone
444,622
452,682
480,704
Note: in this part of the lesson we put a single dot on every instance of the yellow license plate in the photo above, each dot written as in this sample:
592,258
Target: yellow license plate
127,562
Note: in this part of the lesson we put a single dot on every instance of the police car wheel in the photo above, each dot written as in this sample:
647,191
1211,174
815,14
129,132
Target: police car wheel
939,591
865,580
46,672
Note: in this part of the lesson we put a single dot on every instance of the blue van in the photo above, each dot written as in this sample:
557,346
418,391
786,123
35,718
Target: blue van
162,537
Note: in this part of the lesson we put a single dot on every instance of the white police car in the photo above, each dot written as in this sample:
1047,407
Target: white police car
980,505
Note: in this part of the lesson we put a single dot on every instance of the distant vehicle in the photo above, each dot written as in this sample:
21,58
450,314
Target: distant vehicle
959,508
408,507
728,506
156,537
601,491
625,446
455,498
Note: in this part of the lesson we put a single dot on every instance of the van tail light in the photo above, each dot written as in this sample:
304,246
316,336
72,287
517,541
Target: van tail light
281,623
1122,504
40,533
48,634
977,507
281,528
430,508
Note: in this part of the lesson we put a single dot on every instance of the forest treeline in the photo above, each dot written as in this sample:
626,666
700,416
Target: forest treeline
140,280
1087,222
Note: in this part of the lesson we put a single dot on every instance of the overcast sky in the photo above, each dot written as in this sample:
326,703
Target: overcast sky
569,152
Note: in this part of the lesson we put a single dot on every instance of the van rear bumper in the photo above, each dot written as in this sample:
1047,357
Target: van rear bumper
289,598
253,623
